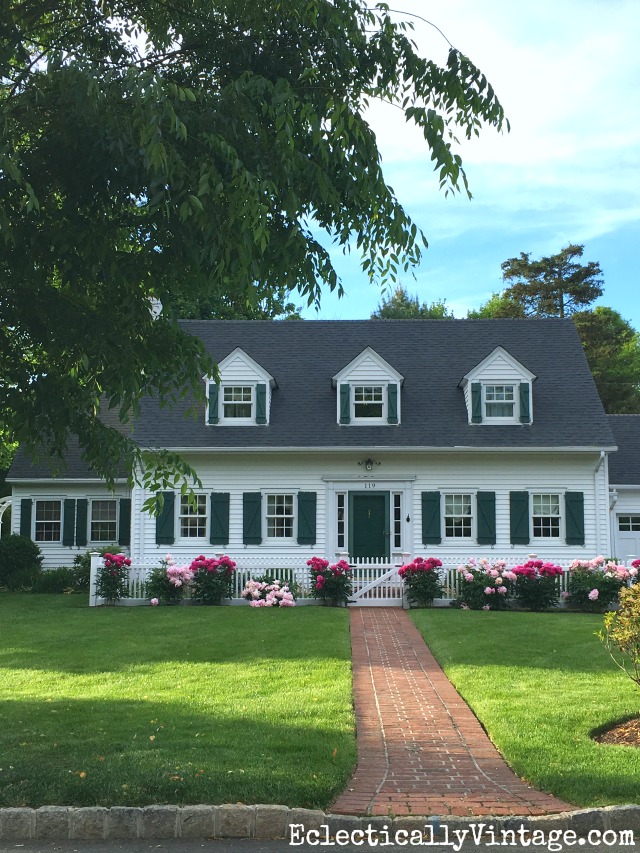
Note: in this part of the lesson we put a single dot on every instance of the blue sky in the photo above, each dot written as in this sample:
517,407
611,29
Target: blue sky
568,75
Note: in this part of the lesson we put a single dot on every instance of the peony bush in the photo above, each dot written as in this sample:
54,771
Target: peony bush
595,584
484,585
168,583
211,579
422,580
264,593
331,584
112,582
537,585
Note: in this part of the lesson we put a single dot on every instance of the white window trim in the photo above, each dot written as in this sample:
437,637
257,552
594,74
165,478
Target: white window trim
36,501
561,537
177,521
90,520
490,419
385,403
474,512
222,419
280,540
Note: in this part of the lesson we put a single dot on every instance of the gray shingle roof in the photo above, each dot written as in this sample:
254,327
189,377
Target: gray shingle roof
432,355
624,466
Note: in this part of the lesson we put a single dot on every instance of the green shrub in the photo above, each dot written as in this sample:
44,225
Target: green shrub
20,562
621,633
56,581
422,580
82,565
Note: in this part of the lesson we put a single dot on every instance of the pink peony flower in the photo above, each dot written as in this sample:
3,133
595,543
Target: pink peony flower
502,590
593,595
468,577
155,602
487,607
489,590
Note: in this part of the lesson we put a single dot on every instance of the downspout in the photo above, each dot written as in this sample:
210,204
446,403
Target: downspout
597,499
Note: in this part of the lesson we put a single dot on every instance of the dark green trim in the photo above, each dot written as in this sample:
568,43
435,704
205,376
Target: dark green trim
525,407
252,518
307,502
519,518
219,531
476,403
574,507
26,512
431,528
214,394
124,522
392,403
486,502
345,404
82,511
261,403
165,520
68,521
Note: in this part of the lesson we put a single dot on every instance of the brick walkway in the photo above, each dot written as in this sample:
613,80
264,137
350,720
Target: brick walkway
420,748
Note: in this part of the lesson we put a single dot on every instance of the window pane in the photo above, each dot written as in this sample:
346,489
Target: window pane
629,523
499,401
236,400
397,521
341,520
457,516
193,519
368,401
546,516
103,521
48,517
280,516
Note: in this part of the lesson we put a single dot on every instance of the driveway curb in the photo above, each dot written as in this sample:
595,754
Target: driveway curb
270,822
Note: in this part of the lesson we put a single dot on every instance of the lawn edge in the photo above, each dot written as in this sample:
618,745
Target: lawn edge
276,822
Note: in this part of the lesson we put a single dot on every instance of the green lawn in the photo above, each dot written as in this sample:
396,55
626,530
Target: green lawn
540,683
172,704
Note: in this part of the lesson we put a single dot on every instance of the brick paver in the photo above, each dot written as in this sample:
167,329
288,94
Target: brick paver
420,748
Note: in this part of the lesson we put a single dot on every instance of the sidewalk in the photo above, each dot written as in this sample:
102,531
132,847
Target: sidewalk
420,748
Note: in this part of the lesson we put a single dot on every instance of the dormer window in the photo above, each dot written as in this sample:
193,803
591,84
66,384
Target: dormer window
498,391
243,395
368,402
499,401
237,402
368,391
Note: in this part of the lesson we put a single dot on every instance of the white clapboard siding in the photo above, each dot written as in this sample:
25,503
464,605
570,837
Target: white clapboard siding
55,553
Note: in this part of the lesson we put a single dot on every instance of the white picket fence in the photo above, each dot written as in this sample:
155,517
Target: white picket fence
376,582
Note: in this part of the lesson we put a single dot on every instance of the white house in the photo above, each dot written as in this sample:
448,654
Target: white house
624,484
382,439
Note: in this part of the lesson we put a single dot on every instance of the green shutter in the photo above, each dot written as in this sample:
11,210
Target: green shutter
214,393
165,520
476,403
252,518
519,517
431,534
82,506
124,522
307,518
574,507
219,531
26,508
261,403
345,404
486,502
525,407
392,404
68,521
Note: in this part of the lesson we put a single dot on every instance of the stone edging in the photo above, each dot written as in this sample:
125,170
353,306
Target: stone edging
268,821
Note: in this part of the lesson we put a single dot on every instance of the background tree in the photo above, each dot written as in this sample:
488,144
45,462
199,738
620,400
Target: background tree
499,305
612,348
400,305
555,286
260,303
174,150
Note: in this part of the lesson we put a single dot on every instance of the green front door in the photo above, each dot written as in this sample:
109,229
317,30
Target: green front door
369,531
